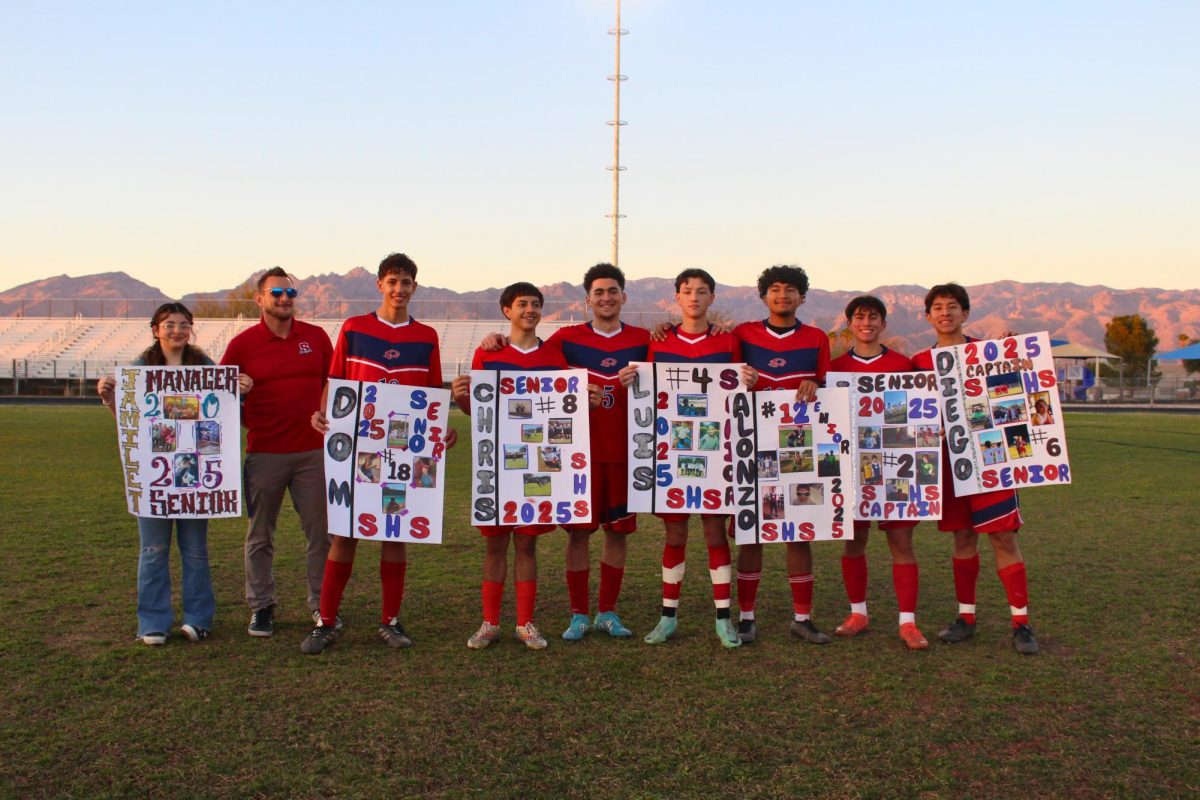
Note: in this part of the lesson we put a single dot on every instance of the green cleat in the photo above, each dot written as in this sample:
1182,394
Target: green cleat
727,633
664,630
610,623
579,627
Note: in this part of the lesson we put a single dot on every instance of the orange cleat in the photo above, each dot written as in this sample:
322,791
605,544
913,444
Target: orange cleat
853,625
913,637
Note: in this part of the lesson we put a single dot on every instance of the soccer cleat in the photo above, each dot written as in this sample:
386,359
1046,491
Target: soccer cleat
531,637
486,634
610,623
913,637
1024,641
193,634
747,631
663,631
853,625
578,627
806,630
320,638
262,622
727,633
958,631
154,638
337,625
393,634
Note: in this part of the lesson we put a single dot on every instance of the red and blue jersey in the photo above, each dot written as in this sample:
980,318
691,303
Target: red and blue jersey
784,360
886,361
376,351
713,346
543,356
924,359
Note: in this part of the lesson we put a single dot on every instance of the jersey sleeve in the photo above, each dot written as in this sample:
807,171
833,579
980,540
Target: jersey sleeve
823,360
435,364
337,361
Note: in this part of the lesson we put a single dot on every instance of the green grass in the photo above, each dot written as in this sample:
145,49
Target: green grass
1109,709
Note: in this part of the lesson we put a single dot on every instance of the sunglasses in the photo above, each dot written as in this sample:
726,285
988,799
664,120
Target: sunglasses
278,292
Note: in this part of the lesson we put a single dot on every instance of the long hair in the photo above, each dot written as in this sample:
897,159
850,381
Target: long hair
153,356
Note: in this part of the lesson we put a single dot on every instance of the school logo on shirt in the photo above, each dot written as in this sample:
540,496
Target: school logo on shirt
609,362
391,354
305,348
776,363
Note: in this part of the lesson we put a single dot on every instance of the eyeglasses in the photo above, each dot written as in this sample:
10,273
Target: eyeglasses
279,291
176,326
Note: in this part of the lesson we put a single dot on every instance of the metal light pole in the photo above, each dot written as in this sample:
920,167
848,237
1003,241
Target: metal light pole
616,122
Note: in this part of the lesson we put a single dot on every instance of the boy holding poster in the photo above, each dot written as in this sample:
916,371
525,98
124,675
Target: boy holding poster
996,514
385,346
866,318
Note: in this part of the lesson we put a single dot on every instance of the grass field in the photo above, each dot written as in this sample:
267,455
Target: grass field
1109,709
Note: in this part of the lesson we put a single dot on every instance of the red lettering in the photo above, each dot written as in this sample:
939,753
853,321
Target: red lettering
506,386
433,411
419,527
367,525
1020,474
712,499
932,493
1046,378
438,450
868,492
807,531
972,387
770,532
675,498
560,385
581,508
988,476
578,461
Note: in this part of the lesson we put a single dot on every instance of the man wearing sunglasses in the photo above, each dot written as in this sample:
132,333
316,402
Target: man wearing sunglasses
289,360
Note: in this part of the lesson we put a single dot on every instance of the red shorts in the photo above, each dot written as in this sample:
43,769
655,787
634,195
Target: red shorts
610,497
861,526
992,512
523,530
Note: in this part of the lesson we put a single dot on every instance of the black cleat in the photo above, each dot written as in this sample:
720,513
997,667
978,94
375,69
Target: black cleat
958,631
747,631
1024,641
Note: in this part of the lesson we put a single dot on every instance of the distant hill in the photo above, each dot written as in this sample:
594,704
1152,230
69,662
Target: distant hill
107,294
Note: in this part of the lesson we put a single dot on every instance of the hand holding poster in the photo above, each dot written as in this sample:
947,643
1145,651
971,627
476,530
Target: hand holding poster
385,461
179,434
1003,426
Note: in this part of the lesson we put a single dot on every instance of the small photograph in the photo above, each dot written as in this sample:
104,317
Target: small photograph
1006,385
692,405
870,469
869,437
795,461
516,456
181,406
187,470
897,489
768,465
424,473
395,497
162,437
899,437
532,433
772,503
991,446
398,433
795,436
806,494
1006,411
520,409
1017,438
927,469
692,466
681,435
978,417
895,408
208,437
537,486
927,435
710,436
549,459
1043,411
827,461
560,431
367,468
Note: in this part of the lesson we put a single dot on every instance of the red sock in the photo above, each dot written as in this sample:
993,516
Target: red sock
719,560
577,590
748,591
802,591
610,587
673,566
333,584
391,576
966,575
1013,578
526,599
854,575
904,578
493,591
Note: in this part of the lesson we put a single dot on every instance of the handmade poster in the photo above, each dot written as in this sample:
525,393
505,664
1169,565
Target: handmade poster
1001,415
385,461
531,449
680,461
791,466
895,444
180,437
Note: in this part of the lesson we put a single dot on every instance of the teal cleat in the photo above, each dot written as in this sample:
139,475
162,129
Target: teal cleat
579,627
610,623
663,631
727,633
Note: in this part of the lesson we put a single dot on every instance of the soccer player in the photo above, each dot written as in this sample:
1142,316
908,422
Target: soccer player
695,340
866,317
289,361
787,355
997,514
385,346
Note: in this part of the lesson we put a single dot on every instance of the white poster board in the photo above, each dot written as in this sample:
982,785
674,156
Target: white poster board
180,438
385,465
1001,415
531,448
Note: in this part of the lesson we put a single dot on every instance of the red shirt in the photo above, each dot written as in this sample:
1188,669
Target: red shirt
784,360
510,357
372,350
710,347
887,361
288,375
924,359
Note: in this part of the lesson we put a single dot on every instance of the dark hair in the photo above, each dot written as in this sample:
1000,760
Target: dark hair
153,356
783,273
273,272
397,263
951,290
519,289
600,272
695,272
869,302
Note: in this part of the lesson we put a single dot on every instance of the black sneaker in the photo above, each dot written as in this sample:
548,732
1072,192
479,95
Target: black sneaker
807,631
337,625
262,622
193,634
747,631
320,638
958,631
1024,641
393,634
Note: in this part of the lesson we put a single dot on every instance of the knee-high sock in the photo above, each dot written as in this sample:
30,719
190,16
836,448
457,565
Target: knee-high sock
526,599
391,577
854,575
802,593
747,589
1015,586
337,575
673,567
493,592
966,575
719,569
577,590
610,587
904,578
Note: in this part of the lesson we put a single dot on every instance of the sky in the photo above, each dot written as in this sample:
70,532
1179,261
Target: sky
189,144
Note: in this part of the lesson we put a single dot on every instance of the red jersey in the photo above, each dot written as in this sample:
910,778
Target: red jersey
924,359
376,351
887,361
711,347
288,374
603,355
784,360
543,356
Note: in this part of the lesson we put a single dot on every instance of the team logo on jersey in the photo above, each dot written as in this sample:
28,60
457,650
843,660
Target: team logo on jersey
609,362
305,348
776,363
390,354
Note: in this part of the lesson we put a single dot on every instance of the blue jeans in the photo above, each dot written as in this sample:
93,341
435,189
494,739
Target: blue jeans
154,574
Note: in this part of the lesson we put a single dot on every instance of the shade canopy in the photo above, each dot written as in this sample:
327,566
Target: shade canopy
1072,350
1189,352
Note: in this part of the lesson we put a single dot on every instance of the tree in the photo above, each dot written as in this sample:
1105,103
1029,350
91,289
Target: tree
239,300
1131,338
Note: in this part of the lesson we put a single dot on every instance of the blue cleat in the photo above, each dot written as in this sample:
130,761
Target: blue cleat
727,633
610,623
579,626
663,631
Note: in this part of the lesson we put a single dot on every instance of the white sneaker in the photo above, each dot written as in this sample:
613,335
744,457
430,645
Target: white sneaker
486,634
530,635
154,638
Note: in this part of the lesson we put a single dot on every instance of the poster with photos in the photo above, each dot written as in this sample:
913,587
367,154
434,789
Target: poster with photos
531,452
791,466
1001,415
678,437
895,446
385,461
180,441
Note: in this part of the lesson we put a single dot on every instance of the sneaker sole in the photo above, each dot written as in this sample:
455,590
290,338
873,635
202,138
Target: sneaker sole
189,633
261,634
